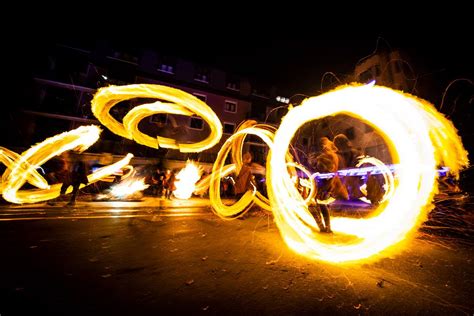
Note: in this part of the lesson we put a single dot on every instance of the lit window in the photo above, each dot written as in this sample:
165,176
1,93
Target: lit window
166,68
230,106
201,75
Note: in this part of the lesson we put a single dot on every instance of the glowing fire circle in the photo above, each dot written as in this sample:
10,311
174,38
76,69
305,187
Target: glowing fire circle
413,131
181,103
247,200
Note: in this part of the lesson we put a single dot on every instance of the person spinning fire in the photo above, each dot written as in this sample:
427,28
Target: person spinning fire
327,162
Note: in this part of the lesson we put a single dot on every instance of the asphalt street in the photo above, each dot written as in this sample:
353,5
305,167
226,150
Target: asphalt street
179,257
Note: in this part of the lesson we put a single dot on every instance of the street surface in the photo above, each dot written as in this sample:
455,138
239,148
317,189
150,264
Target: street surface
137,258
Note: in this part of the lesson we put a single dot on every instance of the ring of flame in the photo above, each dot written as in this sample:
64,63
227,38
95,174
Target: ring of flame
417,137
312,182
234,143
182,103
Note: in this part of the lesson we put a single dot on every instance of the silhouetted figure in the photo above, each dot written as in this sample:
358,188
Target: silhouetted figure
168,184
244,180
77,176
327,162
59,170
157,180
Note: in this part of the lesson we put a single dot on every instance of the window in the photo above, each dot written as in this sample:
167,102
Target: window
201,97
196,123
169,69
201,75
166,64
232,82
159,118
127,57
229,128
230,106
233,85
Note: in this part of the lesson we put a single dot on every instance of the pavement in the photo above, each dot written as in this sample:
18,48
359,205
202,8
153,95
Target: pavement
140,258
86,207
88,201
170,265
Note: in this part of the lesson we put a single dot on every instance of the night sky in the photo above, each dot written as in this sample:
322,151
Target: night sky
298,65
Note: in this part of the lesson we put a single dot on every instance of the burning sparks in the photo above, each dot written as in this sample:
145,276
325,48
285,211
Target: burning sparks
128,188
181,103
186,181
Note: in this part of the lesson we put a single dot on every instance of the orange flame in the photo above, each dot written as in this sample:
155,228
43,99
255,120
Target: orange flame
186,181
128,187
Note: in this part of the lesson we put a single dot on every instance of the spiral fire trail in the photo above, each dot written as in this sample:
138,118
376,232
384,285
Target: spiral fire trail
22,168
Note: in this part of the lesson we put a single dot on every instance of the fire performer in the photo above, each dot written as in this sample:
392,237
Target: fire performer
327,161
244,180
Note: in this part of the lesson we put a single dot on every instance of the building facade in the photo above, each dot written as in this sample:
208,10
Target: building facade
66,77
